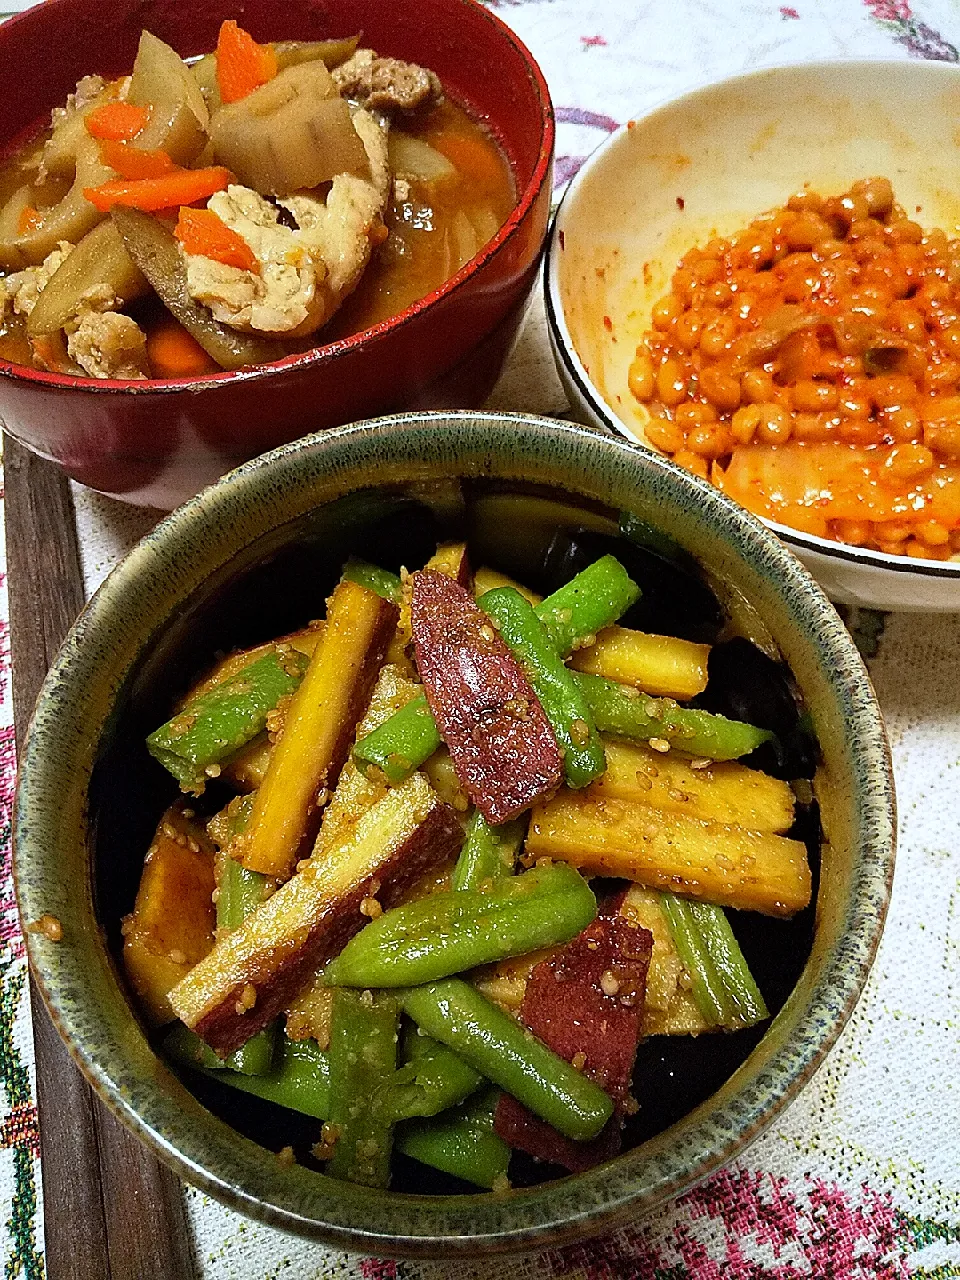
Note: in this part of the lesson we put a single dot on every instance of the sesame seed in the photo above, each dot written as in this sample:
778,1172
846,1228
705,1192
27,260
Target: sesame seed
609,983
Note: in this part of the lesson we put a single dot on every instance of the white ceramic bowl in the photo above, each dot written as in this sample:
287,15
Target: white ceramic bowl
707,164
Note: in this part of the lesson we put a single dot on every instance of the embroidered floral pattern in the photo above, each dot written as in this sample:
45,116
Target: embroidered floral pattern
912,32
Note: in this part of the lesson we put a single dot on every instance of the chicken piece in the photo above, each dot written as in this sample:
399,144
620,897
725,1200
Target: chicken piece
21,290
348,223
386,84
88,89
104,342
279,298
304,272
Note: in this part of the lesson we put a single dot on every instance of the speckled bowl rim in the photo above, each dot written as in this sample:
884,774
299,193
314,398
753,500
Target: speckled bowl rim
78,980
566,354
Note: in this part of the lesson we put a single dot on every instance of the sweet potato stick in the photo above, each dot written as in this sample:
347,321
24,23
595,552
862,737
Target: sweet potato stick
257,970
585,1004
726,792
661,665
172,923
317,730
710,861
498,736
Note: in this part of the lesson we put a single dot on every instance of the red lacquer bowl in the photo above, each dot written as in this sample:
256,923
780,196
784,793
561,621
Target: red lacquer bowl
156,442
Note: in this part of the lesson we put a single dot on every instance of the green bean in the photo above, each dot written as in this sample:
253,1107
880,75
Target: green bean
622,710
462,1142
706,987
498,1047
447,933
213,726
185,1047
299,1078
748,1005
562,700
255,1056
381,581
363,1051
594,599
224,827
432,1079
488,853
239,892
401,744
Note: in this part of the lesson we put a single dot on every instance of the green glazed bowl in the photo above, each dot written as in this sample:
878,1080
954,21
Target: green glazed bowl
78,845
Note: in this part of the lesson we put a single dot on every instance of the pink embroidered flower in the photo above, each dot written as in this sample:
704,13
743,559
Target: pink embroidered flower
378,1269
890,10
744,1224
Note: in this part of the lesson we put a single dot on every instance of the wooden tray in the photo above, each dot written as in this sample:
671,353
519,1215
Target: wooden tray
111,1210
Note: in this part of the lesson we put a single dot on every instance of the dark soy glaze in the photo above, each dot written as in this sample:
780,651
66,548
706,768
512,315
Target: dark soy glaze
746,684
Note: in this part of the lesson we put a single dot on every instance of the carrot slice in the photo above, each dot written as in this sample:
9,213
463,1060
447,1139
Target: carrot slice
133,163
242,64
173,353
50,350
28,221
118,121
184,186
474,160
202,232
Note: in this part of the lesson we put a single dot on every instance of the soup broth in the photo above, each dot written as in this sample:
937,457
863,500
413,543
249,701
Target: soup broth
292,268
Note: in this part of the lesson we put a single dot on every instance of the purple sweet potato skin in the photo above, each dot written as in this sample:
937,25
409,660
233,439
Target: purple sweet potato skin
566,1006
435,841
501,743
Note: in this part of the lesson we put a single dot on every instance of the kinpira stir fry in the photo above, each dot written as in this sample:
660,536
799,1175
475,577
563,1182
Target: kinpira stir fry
481,845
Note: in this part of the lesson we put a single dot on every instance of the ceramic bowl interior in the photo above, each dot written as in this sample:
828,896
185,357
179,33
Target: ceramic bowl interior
707,164
254,556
